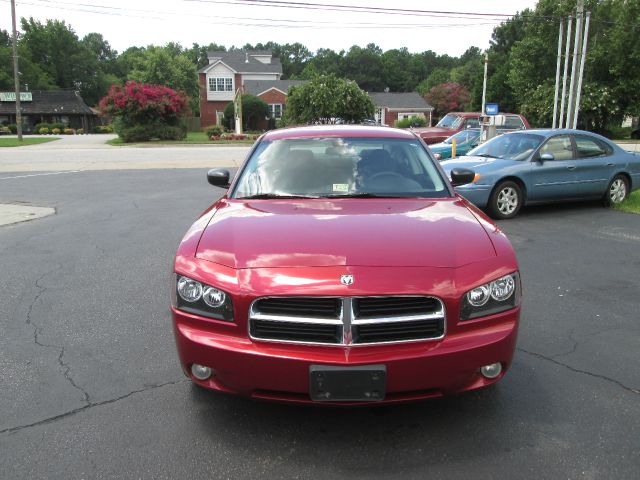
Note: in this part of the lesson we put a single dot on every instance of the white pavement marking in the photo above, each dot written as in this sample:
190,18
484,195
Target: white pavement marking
40,174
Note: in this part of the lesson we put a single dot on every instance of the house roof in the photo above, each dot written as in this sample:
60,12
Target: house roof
244,61
56,102
256,87
399,100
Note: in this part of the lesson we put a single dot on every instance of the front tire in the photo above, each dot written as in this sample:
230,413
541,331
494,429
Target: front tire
617,191
505,201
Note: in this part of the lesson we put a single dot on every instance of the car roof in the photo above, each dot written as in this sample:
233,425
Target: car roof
338,131
548,132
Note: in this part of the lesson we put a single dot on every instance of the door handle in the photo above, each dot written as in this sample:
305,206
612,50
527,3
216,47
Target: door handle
571,167
610,164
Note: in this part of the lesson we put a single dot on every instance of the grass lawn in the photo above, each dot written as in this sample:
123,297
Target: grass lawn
13,142
193,138
631,204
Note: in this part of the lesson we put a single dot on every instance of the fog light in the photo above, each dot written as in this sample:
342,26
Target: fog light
200,371
491,371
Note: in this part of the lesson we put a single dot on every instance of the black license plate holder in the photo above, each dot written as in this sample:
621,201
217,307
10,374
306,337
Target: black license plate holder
365,383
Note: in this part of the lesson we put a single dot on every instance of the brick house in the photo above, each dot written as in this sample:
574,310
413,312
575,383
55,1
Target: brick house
228,71
391,107
272,92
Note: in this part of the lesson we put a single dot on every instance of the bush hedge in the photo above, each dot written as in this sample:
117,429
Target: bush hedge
214,131
417,121
103,129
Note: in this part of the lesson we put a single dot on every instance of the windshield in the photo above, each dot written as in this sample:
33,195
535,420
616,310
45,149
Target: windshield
514,146
340,167
465,136
450,121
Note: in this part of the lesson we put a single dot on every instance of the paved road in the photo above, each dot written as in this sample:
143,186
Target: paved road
91,386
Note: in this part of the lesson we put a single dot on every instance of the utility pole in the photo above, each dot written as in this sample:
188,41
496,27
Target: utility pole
16,73
582,60
484,83
574,65
566,68
555,95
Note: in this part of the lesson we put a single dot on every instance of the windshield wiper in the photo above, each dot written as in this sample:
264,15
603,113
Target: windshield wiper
260,196
485,155
362,195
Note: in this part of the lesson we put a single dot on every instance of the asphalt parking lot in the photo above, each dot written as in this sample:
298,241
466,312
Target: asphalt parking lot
91,386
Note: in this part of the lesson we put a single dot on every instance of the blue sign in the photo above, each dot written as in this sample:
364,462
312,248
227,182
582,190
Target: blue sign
491,109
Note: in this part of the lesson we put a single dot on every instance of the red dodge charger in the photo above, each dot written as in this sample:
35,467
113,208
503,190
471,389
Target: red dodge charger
341,268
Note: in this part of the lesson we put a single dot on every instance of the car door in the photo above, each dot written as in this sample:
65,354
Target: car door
554,178
594,166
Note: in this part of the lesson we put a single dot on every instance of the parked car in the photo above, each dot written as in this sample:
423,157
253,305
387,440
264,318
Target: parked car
340,266
538,166
454,122
465,141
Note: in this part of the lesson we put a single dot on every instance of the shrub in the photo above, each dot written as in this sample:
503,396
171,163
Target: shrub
417,121
59,126
42,130
40,126
55,131
142,112
13,128
80,131
4,130
69,131
103,129
214,131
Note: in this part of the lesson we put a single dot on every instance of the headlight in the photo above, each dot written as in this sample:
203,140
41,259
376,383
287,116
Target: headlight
204,300
493,297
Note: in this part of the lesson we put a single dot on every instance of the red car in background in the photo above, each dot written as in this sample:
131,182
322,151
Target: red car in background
454,122
341,267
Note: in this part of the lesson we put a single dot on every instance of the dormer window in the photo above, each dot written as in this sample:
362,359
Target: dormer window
220,84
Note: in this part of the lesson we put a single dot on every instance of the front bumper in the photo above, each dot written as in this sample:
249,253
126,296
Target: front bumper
476,194
280,372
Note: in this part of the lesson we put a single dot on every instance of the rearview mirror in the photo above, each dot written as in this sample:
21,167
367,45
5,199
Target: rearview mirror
545,157
218,177
462,176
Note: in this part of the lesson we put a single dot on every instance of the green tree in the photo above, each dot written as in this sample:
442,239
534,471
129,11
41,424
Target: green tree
325,99
166,66
254,110
364,66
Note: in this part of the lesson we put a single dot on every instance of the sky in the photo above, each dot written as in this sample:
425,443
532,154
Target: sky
126,23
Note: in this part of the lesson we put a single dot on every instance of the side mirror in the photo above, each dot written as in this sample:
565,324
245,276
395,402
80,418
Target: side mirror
545,157
218,177
462,176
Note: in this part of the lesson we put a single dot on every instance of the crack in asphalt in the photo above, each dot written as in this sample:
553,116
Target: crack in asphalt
37,329
577,370
88,406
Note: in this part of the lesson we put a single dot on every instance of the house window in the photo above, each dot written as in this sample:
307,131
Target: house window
276,110
220,84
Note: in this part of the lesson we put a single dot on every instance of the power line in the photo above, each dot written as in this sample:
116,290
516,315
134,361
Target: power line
242,21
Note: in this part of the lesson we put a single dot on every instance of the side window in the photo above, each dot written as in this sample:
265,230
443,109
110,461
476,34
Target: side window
560,147
513,122
472,123
589,147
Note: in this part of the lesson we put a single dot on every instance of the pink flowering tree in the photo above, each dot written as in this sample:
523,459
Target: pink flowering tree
142,112
448,97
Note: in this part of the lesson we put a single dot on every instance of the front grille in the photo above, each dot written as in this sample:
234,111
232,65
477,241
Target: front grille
372,307
296,331
316,307
347,320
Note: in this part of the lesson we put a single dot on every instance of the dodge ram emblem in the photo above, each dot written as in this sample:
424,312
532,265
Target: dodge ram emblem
346,279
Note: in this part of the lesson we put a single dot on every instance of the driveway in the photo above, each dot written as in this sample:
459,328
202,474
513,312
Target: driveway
89,152
91,386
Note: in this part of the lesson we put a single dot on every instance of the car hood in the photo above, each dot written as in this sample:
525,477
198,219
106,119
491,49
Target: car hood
354,232
477,164
440,147
433,131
